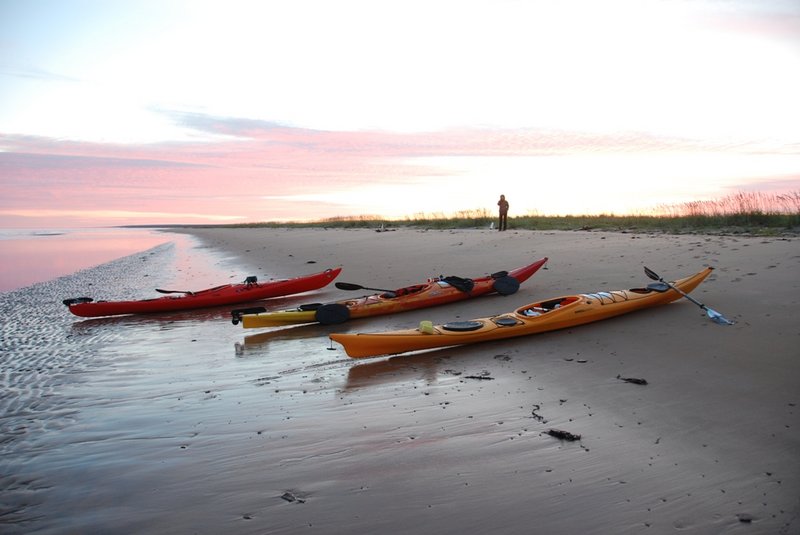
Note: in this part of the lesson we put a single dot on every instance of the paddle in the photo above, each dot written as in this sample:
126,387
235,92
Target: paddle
187,292
348,286
252,279
713,314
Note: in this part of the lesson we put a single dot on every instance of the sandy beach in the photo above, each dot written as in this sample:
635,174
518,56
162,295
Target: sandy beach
278,431
709,445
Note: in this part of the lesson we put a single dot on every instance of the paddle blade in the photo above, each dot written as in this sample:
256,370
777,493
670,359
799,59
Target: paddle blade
348,286
652,274
716,317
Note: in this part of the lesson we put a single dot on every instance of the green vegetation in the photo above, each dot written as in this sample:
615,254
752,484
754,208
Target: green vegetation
741,213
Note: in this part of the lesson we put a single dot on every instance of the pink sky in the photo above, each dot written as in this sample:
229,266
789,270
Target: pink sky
264,172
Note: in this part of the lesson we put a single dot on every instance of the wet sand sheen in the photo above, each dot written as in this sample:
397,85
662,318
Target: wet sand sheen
187,423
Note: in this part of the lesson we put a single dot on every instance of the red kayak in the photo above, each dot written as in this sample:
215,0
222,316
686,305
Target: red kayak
227,294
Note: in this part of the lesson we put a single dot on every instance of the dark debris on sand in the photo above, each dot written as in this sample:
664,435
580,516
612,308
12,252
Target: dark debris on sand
563,435
292,497
633,380
483,376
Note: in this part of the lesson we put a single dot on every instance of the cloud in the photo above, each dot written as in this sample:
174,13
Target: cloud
260,170
117,215
79,161
32,73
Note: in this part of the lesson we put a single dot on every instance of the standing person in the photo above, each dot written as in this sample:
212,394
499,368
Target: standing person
503,204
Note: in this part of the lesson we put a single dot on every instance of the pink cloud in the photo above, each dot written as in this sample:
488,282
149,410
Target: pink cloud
768,21
248,161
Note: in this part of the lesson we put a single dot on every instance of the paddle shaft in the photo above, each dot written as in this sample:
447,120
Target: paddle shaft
655,276
349,286
687,296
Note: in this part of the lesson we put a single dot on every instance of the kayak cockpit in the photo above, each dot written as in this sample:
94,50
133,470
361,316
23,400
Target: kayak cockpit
401,292
459,283
537,309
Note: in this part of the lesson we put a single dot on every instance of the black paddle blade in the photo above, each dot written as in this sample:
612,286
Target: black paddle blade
659,287
348,286
652,274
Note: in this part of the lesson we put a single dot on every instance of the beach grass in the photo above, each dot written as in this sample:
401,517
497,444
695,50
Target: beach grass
752,213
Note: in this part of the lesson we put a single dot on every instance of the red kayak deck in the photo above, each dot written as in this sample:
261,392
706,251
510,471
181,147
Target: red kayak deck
227,294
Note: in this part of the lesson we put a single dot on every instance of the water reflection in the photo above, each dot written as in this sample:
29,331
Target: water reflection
423,366
255,341
83,326
31,256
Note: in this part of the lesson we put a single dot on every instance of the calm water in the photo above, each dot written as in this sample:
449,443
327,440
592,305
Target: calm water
94,412
31,256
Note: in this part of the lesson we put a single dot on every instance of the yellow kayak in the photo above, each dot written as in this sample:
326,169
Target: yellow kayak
543,316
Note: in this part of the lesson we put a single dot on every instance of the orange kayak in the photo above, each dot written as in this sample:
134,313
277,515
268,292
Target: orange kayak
543,316
227,294
435,292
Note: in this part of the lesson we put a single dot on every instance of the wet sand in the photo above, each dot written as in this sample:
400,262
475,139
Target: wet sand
187,423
